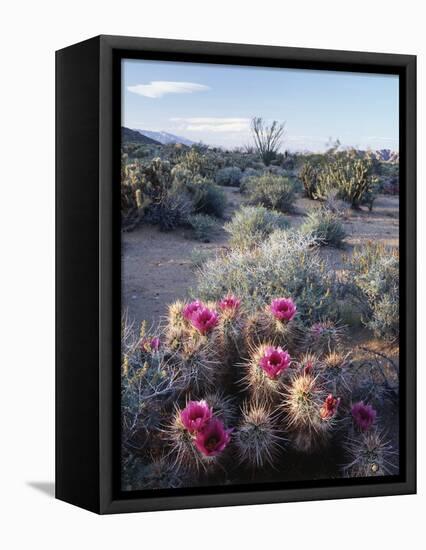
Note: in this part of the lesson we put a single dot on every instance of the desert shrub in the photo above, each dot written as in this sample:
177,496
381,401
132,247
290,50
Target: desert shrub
285,264
206,197
325,226
252,224
270,191
246,175
315,181
230,176
200,256
375,280
203,226
171,212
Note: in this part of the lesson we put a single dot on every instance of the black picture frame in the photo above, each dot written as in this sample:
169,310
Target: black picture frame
88,271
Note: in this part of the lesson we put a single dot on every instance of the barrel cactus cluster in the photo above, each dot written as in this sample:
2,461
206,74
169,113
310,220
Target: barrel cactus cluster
219,394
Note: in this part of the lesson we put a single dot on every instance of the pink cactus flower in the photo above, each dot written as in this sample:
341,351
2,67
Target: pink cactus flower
363,415
155,343
329,408
213,438
317,329
204,319
230,302
189,310
149,345
308,368
274,362
283,309
196,415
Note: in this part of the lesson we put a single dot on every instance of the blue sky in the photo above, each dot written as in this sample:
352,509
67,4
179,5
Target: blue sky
215,103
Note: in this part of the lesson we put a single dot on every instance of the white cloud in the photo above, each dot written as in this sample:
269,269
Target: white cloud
159,88
213,124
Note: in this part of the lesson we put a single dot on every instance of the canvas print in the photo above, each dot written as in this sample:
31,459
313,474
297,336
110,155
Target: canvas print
259,275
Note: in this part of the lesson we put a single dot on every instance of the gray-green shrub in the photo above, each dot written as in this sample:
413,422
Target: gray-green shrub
325,226
271,191
203,226
251,225
207,198
286,264
374,277
231,176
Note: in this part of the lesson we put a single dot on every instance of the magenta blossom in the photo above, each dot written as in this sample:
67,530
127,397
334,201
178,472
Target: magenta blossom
363,415
317,329
329,408
230,302
213,438
274,362
189,310
152,344
283,309
204,319
196,415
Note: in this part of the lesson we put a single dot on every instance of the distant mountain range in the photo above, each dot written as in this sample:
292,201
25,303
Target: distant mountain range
387,155
137,137
165,137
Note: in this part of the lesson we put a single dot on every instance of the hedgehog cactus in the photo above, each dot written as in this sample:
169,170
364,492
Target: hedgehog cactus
257,439
304,404
265,326
334,370
223,406
163,474
228,336
197,438
369,454
324,337
197,365
177,327
266,371
181,441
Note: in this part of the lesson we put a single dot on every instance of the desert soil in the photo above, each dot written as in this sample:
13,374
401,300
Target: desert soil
157,267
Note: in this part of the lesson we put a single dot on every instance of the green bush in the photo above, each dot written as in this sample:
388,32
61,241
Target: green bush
253,224
285,264
203,226
374,278
206,197
230,176
325,226
271,191
171,212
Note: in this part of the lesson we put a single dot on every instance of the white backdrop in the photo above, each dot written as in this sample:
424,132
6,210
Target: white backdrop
30,33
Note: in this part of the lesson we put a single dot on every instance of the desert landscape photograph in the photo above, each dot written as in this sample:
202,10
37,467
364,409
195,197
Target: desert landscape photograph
259,275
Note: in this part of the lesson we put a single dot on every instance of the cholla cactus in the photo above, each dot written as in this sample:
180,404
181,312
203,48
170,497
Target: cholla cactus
304,403
369,454
324,337
266,371
257,439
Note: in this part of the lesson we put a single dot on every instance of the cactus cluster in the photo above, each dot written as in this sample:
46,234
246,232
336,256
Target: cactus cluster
216,386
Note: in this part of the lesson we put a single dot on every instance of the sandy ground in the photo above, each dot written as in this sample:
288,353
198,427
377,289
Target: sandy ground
157,267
